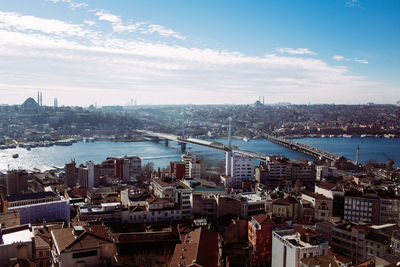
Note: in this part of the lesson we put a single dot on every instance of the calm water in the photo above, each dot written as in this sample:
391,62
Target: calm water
160,155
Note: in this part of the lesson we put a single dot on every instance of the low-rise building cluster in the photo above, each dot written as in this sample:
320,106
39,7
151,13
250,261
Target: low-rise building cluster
279,213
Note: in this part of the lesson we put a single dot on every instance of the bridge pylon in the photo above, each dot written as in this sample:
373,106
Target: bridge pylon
183,147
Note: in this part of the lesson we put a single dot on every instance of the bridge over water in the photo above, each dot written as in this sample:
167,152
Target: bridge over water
203,143
303,148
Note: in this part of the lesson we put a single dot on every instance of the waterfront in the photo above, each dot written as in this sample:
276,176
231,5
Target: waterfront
160,155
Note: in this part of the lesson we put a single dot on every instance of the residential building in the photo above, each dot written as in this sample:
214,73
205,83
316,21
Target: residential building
86,176
395,243
278,167
325,172
349,240
302,171
135,167
187,158
323,206
200,248
177,170
70,174
81,246
16,243
94,174
389,207
195,169
238,168
363,207
377,244
290,246
180,192
16,182
110,212
286,207
260,229
155,210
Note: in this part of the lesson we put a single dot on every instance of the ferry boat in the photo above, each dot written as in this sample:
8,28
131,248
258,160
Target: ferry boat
15,156
245,139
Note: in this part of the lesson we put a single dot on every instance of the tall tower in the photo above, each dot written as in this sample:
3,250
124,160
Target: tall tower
358,154
229,131
38,98
41,103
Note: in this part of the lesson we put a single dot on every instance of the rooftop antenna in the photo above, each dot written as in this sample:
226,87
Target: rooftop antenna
229,131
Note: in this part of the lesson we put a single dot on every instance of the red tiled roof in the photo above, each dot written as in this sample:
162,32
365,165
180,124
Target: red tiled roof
326,185
200,246
284,201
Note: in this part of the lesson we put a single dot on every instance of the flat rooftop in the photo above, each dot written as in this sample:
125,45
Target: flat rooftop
18,236
30,196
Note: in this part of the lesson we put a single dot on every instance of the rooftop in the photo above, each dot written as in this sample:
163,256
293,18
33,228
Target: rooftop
19,235
39,195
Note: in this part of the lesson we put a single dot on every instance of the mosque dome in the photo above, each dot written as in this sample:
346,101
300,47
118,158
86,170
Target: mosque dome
30,105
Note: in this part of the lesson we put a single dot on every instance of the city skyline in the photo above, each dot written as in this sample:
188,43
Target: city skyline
87,52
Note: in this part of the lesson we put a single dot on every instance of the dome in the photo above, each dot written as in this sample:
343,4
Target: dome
30,105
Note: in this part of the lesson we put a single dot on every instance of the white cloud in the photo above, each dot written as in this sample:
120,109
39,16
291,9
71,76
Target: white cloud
71,4
145,28
162,31
337,57
16,22
362,61
295,51
103,15
353,3
81,66
89,22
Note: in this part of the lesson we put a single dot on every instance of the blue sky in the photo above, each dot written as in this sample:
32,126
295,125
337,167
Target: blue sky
200,52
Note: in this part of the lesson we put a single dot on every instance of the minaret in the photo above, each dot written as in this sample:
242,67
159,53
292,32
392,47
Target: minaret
358,154
41,103
38,99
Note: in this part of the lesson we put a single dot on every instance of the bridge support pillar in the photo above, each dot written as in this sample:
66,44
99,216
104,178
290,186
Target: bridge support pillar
166,143
183,147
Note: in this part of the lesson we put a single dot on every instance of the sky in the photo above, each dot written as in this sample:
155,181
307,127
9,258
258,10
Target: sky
200,52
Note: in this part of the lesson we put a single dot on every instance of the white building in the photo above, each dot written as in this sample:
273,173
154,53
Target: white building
16,242
91,174
238,168
155,210
195,169
288,248
187,158
278,167
325,171
178,191
39,206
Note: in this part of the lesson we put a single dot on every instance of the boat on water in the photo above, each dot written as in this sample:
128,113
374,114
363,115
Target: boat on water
245,139
15,156
65,142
